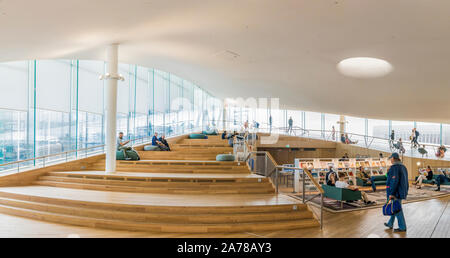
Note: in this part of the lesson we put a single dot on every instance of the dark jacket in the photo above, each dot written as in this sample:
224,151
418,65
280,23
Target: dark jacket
430,175
154,139
397,181
163,141
327,177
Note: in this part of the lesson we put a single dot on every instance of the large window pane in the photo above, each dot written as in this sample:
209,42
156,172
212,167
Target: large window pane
53,80
14,81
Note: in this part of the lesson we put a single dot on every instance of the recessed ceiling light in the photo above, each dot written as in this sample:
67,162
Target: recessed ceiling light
364,67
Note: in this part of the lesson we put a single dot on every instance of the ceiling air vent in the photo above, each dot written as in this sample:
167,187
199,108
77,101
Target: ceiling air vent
227,55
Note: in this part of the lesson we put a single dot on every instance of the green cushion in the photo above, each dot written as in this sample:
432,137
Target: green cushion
422,151
379,180
130,153
197,136
225,157
151,148
431,181
341,194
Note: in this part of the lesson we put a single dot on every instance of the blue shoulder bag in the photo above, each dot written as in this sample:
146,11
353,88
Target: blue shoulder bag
392,207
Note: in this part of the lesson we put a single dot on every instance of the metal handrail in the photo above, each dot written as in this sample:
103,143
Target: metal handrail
309,131
315,183
66,153
276,170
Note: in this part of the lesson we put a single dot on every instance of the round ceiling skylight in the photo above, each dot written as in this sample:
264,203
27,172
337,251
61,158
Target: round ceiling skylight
364,67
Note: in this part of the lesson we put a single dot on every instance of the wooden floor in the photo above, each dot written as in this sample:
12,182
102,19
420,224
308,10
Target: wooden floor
428,219
153,199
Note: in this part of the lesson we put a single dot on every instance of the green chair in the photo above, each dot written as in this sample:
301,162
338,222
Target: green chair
379,180
341,194
431,181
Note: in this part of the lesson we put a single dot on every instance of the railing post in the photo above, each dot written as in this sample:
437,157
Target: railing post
265,167
303,185
321,211
276,177
43,162
18,167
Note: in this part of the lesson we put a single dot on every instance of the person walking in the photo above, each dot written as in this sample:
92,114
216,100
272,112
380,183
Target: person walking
397,187
270,122
290,123
333,133
392,139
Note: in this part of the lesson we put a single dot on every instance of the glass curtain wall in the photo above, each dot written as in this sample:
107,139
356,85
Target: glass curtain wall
52,106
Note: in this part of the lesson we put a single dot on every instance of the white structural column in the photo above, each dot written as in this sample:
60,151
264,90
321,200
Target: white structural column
111,77
341,125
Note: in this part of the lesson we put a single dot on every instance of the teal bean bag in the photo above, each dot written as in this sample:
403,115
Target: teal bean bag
130,153
210,132
225,157
151,148
197,136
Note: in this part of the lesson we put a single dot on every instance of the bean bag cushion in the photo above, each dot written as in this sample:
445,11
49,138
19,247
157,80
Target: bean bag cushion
197,136
130,153
422,151
212,132
225,157
151,148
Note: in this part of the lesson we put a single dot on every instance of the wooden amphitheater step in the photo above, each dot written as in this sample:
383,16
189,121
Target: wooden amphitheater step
159,183
170,170
120,211
203,142
163,155
102,186
176,166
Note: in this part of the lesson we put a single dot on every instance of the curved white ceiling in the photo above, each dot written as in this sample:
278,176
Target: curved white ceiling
257,48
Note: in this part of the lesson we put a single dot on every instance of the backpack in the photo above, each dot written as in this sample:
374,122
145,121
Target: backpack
417,133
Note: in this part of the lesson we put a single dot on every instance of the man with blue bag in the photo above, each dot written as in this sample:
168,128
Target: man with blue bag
397,187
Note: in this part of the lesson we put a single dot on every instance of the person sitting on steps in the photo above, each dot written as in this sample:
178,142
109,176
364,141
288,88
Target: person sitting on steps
224,135
156,142
121,145
163,140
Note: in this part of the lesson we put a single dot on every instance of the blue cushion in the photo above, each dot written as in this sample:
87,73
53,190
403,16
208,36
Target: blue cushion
151,148
197,136
225,157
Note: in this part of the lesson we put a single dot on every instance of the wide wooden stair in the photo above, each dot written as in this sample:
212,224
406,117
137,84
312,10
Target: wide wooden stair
176,166
157,213
182,191
159,182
